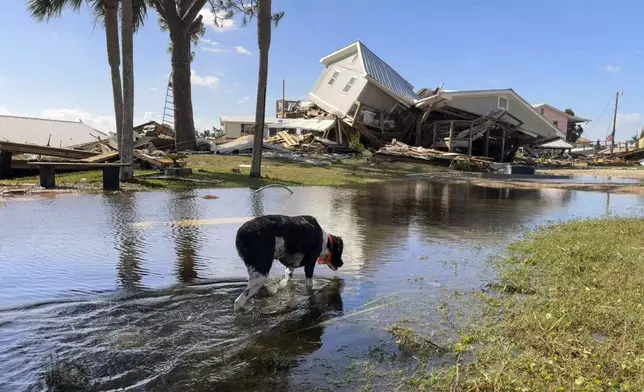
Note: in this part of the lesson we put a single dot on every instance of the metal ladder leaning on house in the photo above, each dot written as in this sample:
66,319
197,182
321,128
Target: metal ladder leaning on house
168,109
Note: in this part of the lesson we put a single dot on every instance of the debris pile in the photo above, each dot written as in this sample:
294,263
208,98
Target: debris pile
152,142
397,150
284,142
600,158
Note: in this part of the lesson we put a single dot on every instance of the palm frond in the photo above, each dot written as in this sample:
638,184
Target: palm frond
47,9
277,17
140,12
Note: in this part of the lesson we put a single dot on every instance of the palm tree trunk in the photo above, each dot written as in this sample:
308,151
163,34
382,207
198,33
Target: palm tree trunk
127,35
264,40
114,59
184,124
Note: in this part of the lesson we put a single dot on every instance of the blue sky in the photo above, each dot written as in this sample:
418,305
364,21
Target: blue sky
569,53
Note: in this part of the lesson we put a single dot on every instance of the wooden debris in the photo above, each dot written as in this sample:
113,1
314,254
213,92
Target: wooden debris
101,158
399,149
160,163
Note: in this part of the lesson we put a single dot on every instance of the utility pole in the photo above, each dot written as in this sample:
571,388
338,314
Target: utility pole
283,97
612,141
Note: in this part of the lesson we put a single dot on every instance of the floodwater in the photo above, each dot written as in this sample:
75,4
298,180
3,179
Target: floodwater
134,291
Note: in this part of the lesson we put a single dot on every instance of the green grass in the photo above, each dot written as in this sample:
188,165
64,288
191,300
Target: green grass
579,328
566,313
274,171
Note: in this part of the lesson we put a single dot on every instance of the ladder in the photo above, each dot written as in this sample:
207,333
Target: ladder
168,109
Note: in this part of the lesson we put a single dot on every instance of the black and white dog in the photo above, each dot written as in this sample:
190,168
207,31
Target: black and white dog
296,241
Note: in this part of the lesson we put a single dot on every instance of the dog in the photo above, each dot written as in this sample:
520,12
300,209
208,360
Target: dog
296,241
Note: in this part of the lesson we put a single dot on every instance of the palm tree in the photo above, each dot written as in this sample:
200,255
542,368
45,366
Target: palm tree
226,9
105,11
127,36
183,23
194,39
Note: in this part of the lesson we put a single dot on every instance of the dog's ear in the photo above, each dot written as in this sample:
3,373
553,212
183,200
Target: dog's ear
338,247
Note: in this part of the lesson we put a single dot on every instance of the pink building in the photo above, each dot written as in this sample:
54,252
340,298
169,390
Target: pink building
557,117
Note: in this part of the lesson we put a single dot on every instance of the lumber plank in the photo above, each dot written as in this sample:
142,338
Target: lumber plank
156,162
102,158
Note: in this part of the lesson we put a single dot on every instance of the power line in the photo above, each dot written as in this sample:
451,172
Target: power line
600,116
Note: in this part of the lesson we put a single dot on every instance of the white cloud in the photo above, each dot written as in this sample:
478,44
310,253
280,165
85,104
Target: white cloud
153,89
102,123
4,111
211,50
209,81
243,100
229,90
613,68
209,20
628,117
210,45
149,116
208,41
242,50
219,74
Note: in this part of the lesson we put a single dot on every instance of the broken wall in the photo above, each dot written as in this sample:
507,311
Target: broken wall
375,97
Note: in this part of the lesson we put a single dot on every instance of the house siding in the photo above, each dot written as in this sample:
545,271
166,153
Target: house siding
232,130
478,105
346,63
552,116
376,98
333,95
486,104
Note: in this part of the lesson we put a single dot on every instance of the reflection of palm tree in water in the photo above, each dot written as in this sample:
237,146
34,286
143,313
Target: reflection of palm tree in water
257,204
186,250
128,241
187,238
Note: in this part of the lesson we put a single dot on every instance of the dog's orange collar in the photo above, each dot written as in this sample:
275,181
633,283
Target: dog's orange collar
329,256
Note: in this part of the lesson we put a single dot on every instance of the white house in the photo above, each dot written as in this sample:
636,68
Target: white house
236,126
355,73
483,102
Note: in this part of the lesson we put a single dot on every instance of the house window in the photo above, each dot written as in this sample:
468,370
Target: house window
503,103
542,111
556,123
349,84
334,77
248,129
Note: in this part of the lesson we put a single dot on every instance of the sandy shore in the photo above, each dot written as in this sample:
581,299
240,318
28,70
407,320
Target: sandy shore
609,188
626,172
479,179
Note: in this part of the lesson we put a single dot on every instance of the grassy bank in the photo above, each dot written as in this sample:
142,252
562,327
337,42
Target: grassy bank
570,315
216,171
566,313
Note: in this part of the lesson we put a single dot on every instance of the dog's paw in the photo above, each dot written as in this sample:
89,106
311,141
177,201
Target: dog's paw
239,304
284,282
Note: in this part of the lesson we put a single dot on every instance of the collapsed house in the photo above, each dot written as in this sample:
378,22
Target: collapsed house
367,97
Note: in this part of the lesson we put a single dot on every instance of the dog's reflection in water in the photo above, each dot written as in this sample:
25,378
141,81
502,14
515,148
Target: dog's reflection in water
271,354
